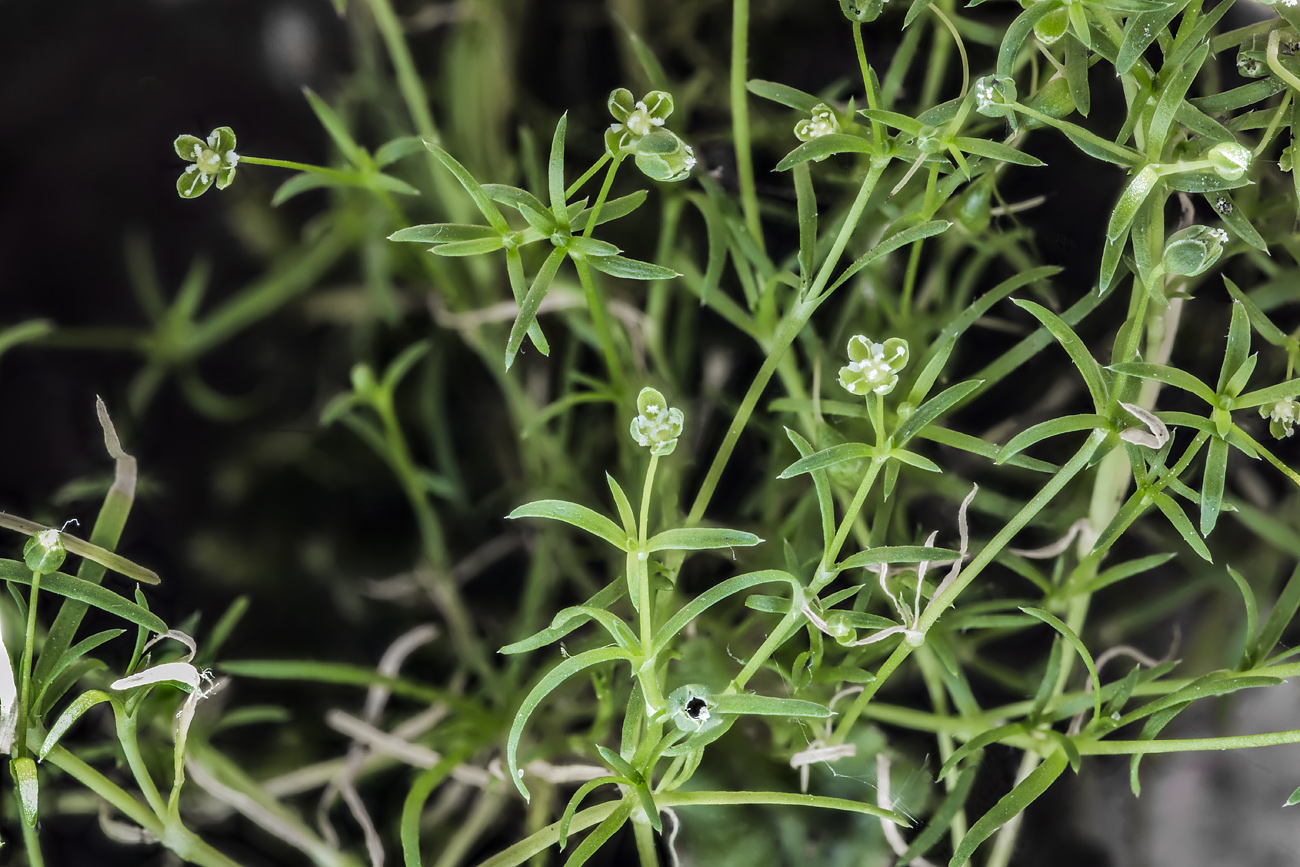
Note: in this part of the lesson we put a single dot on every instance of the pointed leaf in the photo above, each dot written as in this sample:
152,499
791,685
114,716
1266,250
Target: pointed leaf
1079,354
1015,802
631,269
699,539
579,516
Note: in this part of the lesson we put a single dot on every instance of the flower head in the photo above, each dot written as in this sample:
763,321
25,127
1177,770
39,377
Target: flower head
214,161
657,427
873,367
1282,417
635,119
995,97
822,122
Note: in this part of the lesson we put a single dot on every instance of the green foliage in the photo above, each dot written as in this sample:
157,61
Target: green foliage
807,541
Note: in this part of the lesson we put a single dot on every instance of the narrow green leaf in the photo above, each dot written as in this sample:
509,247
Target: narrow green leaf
1264,326
824,146
928,412
822,486
1079,354
579,516
532,301
578,797
1234,217
334,126
1015,802
896,554
1073,637
443,233
1076,75
1252,613
996,151
84,591
1178,518
1282,390
314,671
699,539
806,200
470,248
828,458
555,174
606,829
889,245
765,705
979,742
625,513
472,187
631,269
74,711
1168,375
300,183
603,598
1130,201
784,94
1142,30
1124,570
553,679
1051,428
902,122
586,248
615,209
719,592
621,766
1216,469
617,629
413,806
1288,601
914,460
1174,83
1017,34
391,151
1051,674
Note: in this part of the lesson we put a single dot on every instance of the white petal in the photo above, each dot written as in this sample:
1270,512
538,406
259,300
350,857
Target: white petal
180,673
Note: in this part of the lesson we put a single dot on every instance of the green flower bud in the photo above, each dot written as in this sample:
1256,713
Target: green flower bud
44,552
862,11
690,708
1286,160
635,119
1229,160
1193,250
214,162
363,381
929,140
839,625
973,209
657,427
662,156
823,122
873,367
1282,417
1052,99
1052,26
994,97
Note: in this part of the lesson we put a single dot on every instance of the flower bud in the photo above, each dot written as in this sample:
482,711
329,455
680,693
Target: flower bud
994,97
873,367
1052,26
862,11
44,552
662,156
1193,250
839,625
657,427
929,140
1229,160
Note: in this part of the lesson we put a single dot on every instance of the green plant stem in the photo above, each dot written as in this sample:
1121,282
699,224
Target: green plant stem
32,845
127,737
586,176
873,98
791,325
941,601
740,119
642,562
645,844
25,669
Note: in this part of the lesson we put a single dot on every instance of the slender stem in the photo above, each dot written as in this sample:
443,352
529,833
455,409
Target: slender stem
873,98
740,118
25,671
596,308
604,190
642,559
408,80
289,164
126,735
789,329
587,175
32,844
850,515
941,601
645,844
